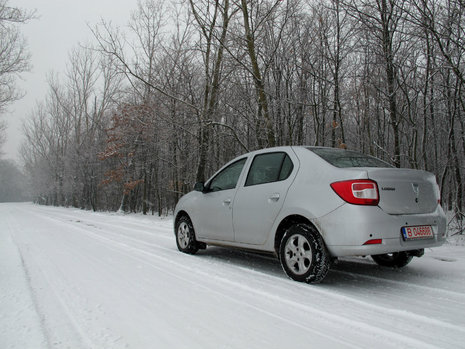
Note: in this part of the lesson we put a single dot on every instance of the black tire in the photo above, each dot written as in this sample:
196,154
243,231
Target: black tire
393,260
185,236
303,254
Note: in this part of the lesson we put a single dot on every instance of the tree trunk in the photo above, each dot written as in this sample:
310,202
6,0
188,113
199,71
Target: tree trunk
257,77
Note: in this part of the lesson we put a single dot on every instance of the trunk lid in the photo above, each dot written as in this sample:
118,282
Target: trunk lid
405,191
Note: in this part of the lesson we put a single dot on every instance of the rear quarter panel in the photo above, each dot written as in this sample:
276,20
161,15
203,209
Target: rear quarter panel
310,194
311,190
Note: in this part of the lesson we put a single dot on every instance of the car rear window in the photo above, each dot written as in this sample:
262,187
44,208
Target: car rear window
347,158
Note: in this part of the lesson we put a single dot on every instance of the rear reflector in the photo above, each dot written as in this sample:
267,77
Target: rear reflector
357,191
374,242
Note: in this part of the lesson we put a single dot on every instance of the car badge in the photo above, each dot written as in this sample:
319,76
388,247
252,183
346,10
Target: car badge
416,190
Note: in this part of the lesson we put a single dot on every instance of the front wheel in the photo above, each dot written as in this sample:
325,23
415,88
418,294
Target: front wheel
303,254
185,236
393,260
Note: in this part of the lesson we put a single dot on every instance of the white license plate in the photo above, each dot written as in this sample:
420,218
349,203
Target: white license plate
418,232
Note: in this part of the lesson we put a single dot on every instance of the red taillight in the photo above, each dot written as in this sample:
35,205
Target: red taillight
358,191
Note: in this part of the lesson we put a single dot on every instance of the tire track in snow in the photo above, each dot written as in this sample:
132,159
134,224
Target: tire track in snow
347,322
259,294
36,314
147,259
143,229
442,291
46,282
454,294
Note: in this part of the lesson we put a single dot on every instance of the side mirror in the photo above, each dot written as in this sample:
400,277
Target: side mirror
199,186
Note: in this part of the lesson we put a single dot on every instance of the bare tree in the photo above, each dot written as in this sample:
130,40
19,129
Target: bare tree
339,43
444,23
382,76
14,57
212,21
66,131
12,182
384,19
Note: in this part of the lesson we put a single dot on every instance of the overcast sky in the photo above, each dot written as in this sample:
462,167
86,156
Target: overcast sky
61,25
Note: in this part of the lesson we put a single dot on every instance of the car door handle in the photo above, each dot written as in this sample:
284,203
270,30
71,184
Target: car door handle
227,202
274,197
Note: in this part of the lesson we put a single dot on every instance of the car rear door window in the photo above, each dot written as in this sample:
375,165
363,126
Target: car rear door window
269,167
227,179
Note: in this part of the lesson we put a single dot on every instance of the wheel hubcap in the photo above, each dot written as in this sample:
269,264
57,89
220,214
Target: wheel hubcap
183,235
298,254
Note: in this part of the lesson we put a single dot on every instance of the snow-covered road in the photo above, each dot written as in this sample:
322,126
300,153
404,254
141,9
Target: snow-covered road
77,279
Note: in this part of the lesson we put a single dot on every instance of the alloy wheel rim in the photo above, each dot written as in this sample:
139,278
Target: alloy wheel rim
298,254
183,235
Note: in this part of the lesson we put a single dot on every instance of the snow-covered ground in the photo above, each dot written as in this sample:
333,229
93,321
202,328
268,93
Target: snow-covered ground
77,279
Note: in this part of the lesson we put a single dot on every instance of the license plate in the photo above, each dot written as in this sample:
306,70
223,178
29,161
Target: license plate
418,232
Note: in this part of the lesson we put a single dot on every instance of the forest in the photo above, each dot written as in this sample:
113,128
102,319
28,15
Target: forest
146,110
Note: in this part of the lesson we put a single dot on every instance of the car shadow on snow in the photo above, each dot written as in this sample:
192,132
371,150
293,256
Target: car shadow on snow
253,261
353,271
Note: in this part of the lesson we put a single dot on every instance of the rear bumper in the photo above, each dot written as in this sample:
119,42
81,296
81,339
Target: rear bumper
346,229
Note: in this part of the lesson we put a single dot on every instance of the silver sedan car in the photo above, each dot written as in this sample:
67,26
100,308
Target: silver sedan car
310,205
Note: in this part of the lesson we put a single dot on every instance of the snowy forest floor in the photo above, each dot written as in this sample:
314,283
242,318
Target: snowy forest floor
78,279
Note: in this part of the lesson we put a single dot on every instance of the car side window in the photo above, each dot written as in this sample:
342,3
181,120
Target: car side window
227,179
269,167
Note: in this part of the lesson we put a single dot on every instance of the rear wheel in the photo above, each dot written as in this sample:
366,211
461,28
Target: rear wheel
393,260
185,236
303,254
